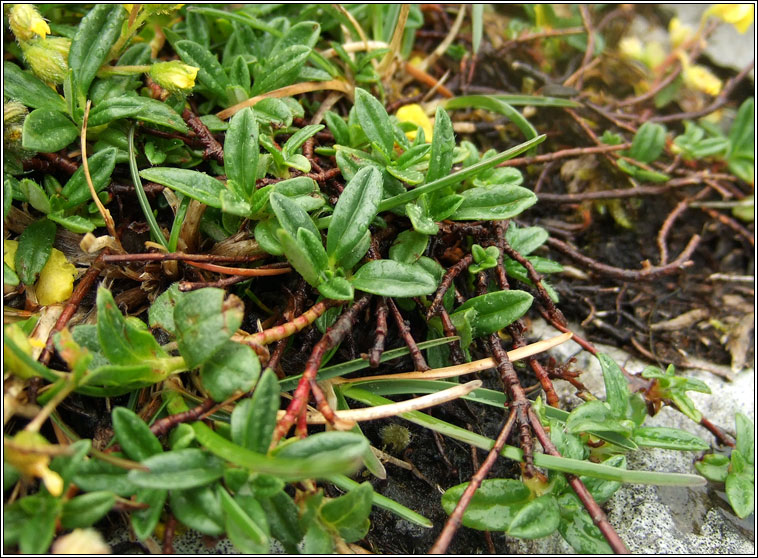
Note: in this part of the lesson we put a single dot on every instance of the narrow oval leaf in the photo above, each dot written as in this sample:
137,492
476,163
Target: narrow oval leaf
48,130
87,509
391,278
27,88
101,165
210,75
374,120
34,247
616,388
538,518
234,368
668,438
494,311
145,520
356,208
241,151
205,322
348,514
246,534
96,34
648,142
300,257
577,528
134,436
199,509
178,470
253,420
443,144
290,215
197,185
409,246
498,202
493,506
139,108
740,491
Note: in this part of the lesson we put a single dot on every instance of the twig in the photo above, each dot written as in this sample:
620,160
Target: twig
571,152
454,521
180,256
646,274
273,269
283,331
168,535
213,149
162,426
307,383
447,280
516,331
418,359
596,513
187,286
578,76
731,223
380,333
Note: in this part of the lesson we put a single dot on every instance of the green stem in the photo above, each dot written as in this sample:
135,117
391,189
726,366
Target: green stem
181,212
108,71
142,196
563,464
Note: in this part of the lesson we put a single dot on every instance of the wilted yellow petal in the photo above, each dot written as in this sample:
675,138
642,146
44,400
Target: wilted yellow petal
631,47
700,78
26,22
415,115
9,253
33,464
739,15
56,280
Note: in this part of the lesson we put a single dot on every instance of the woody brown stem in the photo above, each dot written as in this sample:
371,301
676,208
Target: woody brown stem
418,359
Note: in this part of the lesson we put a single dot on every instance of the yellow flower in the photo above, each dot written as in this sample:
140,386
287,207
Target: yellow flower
739,15
48,58
679,33
415,115
631,47
31,463
26,22
56,280
700,78
174,76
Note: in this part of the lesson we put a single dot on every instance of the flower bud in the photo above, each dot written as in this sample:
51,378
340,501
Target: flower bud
700,78
48,58
415,115
174,76
679,33
26,22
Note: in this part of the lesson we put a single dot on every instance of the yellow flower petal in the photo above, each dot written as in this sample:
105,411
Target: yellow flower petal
33,464
56,280
679,33
26,22
739,15
415,115
9,253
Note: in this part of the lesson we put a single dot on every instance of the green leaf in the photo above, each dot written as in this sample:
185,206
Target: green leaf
34,194
281,69
744,428
197,185
282,515
299,138
94,475
714,466
525,240
124,341
145,520
234,368
640,173
299,255
494,311
210,75
42,511
537,519
616,388
291,216
740,490
648,142
668,438
356,208
685,405
205,322
492,203
337,288
578,529
199,509
477,25
48,130
241,151
420,215
134,436
348,514
494,104
596,415
139,108
337,126
317,540
181,437
96,34
87,509
253,420
29,89
443,144
409,246
245,532
374,121
178,470
101,165
34,247
161,313
74,223
391,278
602,489
493,506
